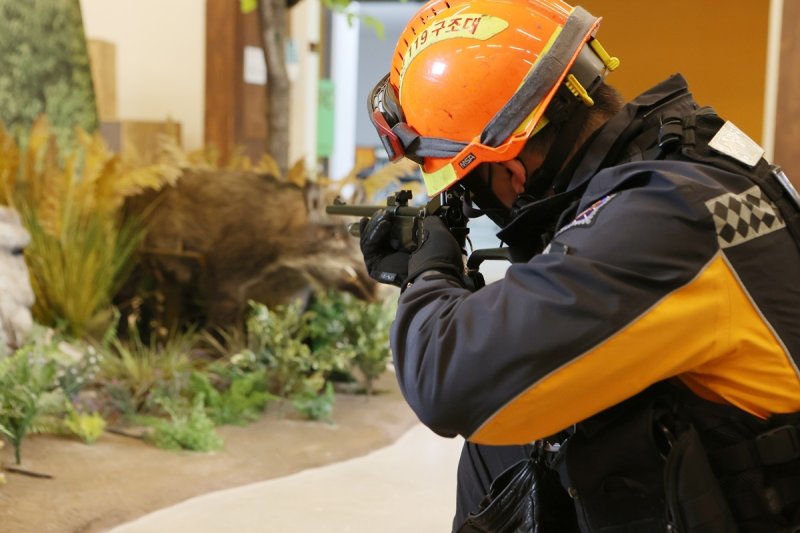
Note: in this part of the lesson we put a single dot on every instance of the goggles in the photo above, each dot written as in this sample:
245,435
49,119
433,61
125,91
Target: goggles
582,67
397,137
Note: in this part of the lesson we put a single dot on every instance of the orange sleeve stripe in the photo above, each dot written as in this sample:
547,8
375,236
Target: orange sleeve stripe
757,375
687,330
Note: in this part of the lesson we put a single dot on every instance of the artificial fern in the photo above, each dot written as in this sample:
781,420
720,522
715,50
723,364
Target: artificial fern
81,244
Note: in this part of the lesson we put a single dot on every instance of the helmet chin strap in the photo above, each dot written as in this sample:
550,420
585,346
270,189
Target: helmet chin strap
484,197
542,180
498,215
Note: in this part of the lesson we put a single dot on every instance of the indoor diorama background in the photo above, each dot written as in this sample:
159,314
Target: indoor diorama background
190,64
726,55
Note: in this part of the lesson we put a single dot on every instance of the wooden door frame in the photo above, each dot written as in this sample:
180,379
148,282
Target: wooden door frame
787,123
235,111
223,68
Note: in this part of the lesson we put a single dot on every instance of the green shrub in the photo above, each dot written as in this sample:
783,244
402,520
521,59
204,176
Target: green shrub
277,338
24,380
371,339
87,426
314,404
355,330
77,364
135,373
301,350
60,409
242,399
330,331
187,429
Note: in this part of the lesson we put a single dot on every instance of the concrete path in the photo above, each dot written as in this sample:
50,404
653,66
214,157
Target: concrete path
406,487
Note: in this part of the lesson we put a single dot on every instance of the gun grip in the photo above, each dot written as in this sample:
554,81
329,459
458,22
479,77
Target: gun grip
404,233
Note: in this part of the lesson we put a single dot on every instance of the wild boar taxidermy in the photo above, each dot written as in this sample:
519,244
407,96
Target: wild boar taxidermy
220,238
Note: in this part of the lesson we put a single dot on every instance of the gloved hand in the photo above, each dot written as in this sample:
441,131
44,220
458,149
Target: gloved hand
385,263
438,250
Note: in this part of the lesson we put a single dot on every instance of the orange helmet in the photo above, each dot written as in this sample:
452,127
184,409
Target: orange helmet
472,80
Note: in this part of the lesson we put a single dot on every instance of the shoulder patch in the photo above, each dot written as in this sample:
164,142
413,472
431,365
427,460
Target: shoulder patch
743,217
735,143
586,217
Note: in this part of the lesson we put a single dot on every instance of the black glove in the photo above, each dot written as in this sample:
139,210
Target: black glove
438,250
385,263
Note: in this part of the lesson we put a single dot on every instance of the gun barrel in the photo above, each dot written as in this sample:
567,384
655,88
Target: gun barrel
369,210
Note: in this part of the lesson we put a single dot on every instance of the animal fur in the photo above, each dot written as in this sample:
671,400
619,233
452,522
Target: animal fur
227,237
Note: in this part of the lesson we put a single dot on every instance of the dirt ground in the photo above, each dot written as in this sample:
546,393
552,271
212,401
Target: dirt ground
118,478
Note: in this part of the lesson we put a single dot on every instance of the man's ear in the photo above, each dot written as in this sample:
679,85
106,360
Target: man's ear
518,174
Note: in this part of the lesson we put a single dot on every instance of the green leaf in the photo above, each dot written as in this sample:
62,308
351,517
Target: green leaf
376,25
313,403
341,6
88,426
248,6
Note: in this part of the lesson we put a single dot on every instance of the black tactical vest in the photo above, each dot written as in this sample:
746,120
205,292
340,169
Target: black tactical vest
667,460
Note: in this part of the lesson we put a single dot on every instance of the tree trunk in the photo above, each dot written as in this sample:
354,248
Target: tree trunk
273,37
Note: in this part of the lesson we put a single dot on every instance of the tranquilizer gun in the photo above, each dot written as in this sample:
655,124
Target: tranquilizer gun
407,226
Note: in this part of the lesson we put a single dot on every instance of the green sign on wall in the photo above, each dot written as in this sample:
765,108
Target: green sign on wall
325,118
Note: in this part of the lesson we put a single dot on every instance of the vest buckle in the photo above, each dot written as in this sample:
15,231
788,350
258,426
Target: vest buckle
670,131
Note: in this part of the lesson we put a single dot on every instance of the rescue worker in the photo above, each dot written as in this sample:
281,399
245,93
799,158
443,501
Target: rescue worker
637,367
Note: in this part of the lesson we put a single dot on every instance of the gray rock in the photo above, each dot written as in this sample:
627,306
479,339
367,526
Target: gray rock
16,293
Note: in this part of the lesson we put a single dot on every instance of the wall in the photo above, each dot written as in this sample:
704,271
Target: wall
720,50
305,32
160,58
787,123
161,54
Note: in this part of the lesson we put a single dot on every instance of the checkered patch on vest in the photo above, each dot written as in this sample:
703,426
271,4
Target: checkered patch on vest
742,217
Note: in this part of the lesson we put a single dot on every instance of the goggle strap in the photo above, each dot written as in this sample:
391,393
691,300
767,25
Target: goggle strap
540,80
417,147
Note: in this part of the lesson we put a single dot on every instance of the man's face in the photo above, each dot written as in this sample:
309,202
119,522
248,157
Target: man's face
500,178
507,178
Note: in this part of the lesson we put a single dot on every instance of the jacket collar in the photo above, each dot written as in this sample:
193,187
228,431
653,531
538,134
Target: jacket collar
606,147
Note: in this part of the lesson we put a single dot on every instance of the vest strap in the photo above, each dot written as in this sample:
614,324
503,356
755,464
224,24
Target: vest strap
777,446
